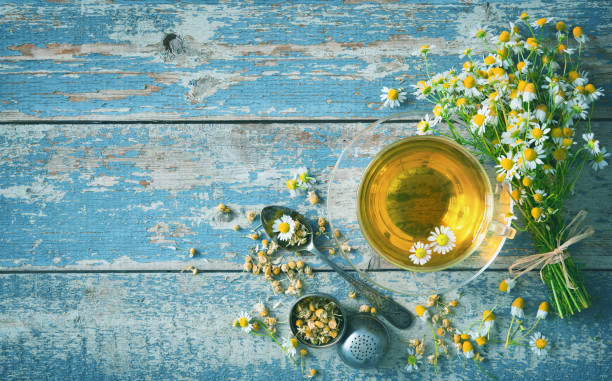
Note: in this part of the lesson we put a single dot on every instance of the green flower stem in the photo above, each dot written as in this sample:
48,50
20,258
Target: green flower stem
509,329
528,332
262,325
484,371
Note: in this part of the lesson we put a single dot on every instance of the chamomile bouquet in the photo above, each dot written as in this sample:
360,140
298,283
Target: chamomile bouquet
527,106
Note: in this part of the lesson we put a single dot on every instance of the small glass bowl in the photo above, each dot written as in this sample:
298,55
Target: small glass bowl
293,318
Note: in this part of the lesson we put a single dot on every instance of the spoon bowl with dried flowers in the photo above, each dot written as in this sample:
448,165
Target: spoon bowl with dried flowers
292,232
317,320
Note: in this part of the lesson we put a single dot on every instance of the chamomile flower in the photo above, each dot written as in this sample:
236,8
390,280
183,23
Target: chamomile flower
591,143
543,310
523,67
466,53
538,214
413,360
470,87
579,108
541,113
425,125
539,195
244,322
488,319
479,122
579,35
576,78
532,157
517,308
480,32
392,97
539,23
290,345
285,227
421,253
507,166
506,285
442,239
529,93
508,217
304,180
422,313
592,93
598,161
539,344
292,185
468,349
548,169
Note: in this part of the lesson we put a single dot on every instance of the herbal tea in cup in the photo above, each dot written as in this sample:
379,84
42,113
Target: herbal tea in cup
424,203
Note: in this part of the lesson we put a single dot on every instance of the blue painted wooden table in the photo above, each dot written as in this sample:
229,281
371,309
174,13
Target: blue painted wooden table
124,125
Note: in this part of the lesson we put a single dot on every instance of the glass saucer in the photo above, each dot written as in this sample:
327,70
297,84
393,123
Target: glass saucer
342,214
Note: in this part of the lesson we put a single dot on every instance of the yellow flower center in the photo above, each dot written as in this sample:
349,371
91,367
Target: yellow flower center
503,286
560,26
489,60
467,65
420,310
535,213
518,302
437,111
515,194
568,132
527,181
559,154
521,85
541,22
467,346
500,177
541,343
556,132
561,48
243,322
488,315
481,33
292,184
589,88
469,82
573,75
504,36
538,197
461,102
524,16
442,239
577,32
544,306
537,133
478,119
530,88
532,43
392,94
420,252
520,65
566,142
283,227
547,167
294,342
530,154
506,164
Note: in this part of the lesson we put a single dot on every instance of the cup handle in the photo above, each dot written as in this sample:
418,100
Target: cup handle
502,230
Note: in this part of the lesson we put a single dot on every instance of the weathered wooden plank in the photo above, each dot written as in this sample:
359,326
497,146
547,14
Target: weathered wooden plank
133,197
178,326
119,60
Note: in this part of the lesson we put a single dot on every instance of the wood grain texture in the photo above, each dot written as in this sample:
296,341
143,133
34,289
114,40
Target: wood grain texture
164,60
178,326
137,197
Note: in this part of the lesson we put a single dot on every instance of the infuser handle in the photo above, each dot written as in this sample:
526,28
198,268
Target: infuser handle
392,311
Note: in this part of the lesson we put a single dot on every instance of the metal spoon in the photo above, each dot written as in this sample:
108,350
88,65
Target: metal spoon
395,313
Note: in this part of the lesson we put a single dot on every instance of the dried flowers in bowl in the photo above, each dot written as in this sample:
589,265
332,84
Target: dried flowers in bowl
317,320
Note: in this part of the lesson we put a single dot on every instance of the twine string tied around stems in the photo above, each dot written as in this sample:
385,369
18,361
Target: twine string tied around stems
576,233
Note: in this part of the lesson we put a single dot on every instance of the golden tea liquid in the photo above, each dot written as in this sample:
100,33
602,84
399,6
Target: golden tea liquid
415,185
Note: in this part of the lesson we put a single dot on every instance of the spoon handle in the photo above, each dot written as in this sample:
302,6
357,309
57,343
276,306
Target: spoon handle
391,310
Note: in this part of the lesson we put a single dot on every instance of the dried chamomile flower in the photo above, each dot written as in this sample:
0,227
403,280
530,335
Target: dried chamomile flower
318,320
352,294
254,236
364,308
236,227
248,267
345,247
222,208
332,251
251,216
192,252
313,198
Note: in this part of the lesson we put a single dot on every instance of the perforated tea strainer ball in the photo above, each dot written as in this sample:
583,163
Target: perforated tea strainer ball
366,341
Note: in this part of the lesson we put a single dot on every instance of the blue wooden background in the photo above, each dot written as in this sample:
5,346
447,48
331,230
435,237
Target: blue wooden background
124,124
